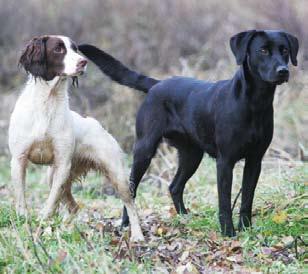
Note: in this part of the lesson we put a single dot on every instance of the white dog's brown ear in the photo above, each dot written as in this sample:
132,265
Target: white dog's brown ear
34,57
239,45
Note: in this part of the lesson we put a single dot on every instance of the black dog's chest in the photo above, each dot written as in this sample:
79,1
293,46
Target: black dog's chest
254,139
255,133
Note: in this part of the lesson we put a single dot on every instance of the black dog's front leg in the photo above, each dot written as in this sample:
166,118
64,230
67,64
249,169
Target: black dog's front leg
224,182
251,174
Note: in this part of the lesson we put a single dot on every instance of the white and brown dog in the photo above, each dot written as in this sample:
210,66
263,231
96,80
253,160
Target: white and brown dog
45,131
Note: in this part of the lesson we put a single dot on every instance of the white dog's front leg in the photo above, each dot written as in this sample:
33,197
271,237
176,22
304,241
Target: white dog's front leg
60,175
18,174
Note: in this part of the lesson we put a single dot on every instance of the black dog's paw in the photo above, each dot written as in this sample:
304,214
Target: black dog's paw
227,229
229,233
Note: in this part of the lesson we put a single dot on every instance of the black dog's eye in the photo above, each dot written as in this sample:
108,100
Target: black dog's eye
285,51
264,51
58,49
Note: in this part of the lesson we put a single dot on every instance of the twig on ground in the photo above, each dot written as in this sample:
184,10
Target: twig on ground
44,249
23,249
119,248
281,154
34,247
165,159
130,254
236,198
89,245
298,238
158,178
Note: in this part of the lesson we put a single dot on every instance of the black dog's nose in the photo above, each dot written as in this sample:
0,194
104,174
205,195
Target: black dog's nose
283,71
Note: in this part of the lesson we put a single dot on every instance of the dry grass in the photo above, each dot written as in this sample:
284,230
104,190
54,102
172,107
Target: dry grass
160,38
93,243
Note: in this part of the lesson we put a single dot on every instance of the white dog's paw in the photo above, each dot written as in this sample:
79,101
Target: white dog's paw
117,223
21,210
69,217
45,214
137,237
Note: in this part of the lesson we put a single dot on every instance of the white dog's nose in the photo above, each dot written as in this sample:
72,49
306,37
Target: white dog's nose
82,63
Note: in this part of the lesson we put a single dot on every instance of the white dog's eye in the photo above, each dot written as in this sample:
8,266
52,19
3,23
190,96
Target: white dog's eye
59,49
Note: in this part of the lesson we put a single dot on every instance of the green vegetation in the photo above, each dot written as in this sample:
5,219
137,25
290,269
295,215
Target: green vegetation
93,243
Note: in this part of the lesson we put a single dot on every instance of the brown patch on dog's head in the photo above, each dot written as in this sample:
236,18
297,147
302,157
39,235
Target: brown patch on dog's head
43,57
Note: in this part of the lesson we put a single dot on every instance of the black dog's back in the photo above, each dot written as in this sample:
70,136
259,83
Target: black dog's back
182,100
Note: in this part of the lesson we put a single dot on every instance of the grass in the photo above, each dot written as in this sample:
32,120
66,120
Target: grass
93,243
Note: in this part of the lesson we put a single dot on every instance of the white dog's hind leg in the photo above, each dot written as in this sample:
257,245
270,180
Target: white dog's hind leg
100,148
18,174
116,175
136,233
68,199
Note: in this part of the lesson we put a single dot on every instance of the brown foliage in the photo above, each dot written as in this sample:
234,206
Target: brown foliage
160,38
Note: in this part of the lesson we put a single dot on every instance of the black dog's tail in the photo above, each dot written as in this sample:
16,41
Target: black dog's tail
116,70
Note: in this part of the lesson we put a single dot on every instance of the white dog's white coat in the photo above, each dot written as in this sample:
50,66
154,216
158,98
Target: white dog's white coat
44,130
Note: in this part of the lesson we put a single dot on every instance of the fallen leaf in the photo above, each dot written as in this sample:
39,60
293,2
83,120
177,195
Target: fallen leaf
235,246
266,250
235,259
189,268
184,256
61,256
99,226
147,212
195,205
280,217
161,247
213,236
277,247
161,231
81,205
172,212
175,246
288,240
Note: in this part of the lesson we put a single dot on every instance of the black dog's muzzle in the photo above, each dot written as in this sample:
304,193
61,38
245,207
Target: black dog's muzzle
282,73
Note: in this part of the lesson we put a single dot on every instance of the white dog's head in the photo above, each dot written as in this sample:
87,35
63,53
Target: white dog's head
49,56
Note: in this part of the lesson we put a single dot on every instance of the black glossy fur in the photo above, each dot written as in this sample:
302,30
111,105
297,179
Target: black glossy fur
230,119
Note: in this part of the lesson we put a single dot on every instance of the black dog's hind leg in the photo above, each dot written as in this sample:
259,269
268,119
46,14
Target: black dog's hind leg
145,149
224,183
189,160
251,174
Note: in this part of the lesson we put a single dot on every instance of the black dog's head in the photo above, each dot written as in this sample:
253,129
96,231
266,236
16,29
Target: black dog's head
266,53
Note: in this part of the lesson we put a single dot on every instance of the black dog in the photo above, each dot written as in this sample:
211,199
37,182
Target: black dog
230,119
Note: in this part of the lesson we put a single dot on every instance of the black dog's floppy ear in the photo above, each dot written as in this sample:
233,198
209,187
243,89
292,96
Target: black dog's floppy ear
33,58
239,45
293,45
